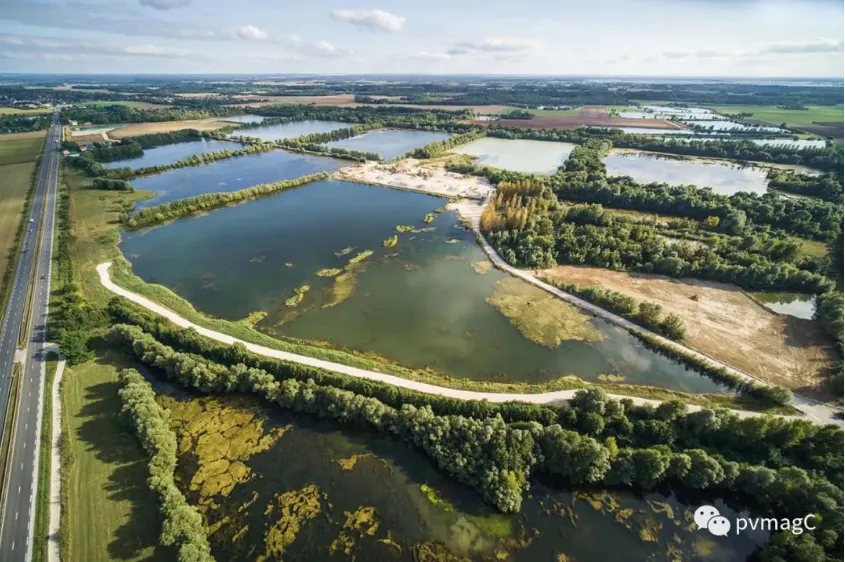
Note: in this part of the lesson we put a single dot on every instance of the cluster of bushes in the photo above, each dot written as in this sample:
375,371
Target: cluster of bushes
435,149
181,207
827,187
646,314
182,526
109,152
517,114
23,123
112,185
497,458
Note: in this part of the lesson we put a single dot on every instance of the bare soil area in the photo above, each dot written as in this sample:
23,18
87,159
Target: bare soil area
593,113
135,129
411,174
725,323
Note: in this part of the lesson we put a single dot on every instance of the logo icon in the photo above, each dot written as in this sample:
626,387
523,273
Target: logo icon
708,517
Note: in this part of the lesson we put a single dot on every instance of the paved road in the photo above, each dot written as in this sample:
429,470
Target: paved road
18,513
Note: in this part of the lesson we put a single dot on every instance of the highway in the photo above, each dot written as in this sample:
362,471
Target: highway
18,509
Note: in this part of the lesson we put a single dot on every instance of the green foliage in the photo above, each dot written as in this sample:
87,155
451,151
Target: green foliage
205,202
315,143
23,123
182,525
107,114
517,114
827,187
439,148
108,184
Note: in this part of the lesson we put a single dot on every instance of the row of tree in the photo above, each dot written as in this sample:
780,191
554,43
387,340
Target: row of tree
182,207
112,185
23,123
497,459
649,315
316,143
182,525
770,441
108,114
439,148
827,187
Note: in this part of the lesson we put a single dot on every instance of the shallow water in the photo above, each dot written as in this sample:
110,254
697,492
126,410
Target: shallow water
733,126
529,156
793,304
311,483
793,143
231,175
648,131
390,143
723,177
170,153
291,130
419,303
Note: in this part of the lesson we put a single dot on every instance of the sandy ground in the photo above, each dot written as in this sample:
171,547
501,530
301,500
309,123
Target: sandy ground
410,174
135,129
726,324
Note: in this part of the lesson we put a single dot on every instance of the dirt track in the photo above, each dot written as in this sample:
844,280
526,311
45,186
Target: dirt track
725,323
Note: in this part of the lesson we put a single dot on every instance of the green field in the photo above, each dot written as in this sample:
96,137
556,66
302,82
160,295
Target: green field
132,104
792,117
13,190
17,111
111,513
553,112
20,147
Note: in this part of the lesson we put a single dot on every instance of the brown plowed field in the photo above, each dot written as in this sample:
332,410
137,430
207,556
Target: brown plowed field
827,129
725,323
593,113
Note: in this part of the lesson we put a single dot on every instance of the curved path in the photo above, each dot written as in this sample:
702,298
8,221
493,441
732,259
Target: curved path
535,398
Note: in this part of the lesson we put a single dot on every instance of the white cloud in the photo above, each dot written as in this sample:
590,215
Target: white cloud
498,45
165,4
431,57
249,33
810,47
375,20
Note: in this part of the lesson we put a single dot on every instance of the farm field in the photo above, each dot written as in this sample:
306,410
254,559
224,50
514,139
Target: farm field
792,117
112,514
16,182
723,322
135,129
19,111
16,148
348,100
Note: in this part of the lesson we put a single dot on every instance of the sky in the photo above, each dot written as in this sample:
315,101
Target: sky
742,38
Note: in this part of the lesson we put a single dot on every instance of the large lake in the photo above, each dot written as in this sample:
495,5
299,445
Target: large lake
422,303
390,143
291,130
723,177
529,156
170,153
231,175
316,490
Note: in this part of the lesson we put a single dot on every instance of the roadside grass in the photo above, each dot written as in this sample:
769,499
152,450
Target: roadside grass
109,513
23,111
792,117
19,148
42,501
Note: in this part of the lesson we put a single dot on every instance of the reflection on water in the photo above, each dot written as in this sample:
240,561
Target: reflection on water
291,130
529,156
244,118
231,175
321,492
724,177
170,153
794,304
421,303
391,143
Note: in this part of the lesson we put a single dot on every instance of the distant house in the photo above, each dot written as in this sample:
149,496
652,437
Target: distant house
65,152
73,123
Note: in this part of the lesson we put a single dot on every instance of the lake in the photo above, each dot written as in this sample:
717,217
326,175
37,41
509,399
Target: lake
291,130
733,126
792,143
170,153
231,175
724,177
648,131
390,143
529,156
306,489
426,302
798,305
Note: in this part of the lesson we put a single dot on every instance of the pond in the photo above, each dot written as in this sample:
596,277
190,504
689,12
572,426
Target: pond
431,300
649,131
724,177
792,143
291,130
798,305
306,489
249,118
170,153
529,156
231,175
733,126
390,143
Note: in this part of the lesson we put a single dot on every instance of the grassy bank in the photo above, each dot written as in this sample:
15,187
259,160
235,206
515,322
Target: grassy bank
42,500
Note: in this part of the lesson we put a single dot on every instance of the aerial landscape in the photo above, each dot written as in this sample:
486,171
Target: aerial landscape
435,283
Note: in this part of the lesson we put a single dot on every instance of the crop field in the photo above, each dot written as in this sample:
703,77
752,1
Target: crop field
16,181
21,111
816,119
17,148
135,129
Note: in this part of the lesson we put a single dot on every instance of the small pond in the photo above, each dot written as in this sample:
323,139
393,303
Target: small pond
793,304
167,154
529,156
291,130
390,143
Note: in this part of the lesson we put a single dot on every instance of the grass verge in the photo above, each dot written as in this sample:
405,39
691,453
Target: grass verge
9,429
42,500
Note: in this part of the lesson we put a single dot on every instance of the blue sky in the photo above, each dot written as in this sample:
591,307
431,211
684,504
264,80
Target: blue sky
604,37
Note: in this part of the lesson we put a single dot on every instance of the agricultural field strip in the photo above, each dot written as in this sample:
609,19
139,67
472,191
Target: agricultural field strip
538,398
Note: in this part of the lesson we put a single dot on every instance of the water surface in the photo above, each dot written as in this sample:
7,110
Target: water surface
291,130
793,304
529,156
724,177
249,118
420,303
231,175
170,153
390,143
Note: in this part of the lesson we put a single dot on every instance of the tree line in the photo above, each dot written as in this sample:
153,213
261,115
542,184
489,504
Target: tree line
827,187
770,441
316,143
23,123
182,525
109,114
439,148
181,207
497,458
